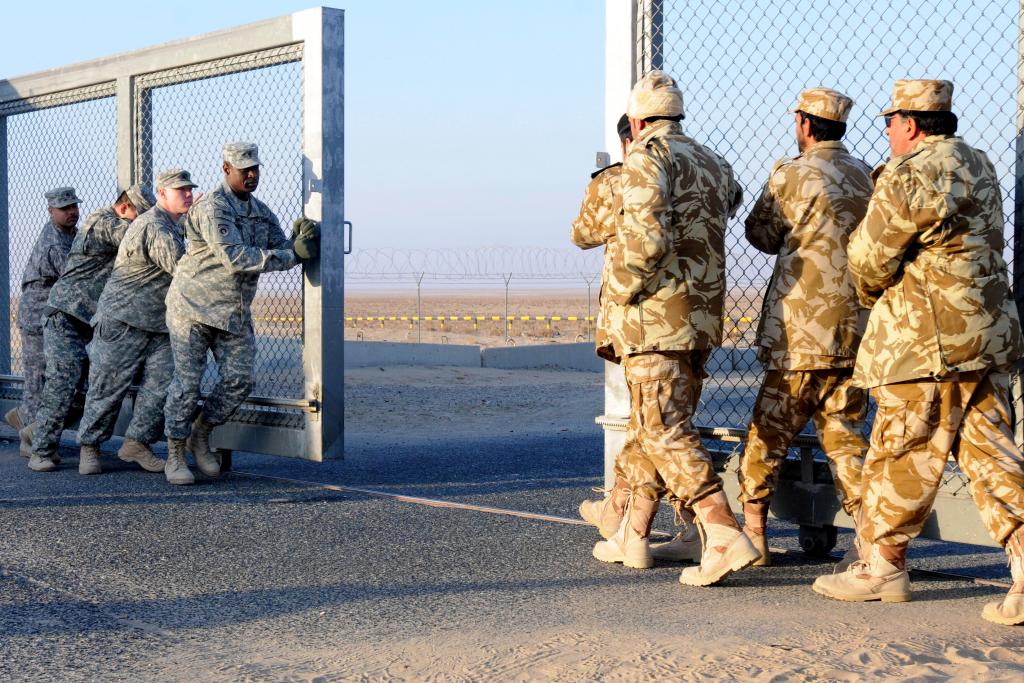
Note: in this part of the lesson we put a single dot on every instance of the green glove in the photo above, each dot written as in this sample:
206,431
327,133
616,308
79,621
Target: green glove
307,243
299,225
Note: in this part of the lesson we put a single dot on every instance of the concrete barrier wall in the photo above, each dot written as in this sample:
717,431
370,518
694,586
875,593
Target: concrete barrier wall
369,354
565,356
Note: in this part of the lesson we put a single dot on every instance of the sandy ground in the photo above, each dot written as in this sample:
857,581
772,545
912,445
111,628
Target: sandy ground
120,577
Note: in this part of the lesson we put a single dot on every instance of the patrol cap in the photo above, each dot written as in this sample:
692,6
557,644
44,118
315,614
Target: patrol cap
824,103
242,154
141,197
174,179
656,94
921,95
61,197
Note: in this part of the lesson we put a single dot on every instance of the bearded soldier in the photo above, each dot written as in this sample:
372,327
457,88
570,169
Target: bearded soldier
942,332
811,322
667,288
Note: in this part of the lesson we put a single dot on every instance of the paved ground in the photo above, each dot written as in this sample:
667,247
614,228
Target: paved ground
121,577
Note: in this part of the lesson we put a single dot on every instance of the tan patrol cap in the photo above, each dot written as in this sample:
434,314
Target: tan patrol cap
242,154
141,197
824,103
61,197
174,179
655,94
922,95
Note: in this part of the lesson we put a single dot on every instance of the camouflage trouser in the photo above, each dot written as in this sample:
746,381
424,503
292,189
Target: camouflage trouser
918,425
64,340
663,449
119,351
33,359
234,354
786,401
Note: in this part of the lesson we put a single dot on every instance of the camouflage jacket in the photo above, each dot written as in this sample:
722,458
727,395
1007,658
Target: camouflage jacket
667,282
44,266
89,264
811,319
928,257
230,242
594,227
142,272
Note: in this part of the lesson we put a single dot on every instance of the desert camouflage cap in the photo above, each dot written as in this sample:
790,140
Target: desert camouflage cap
242,154
59,197
824,103
656,94
922,95
141,197
174,178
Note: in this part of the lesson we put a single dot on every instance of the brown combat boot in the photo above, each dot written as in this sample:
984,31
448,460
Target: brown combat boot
882,576
198,443
13,418
726,547
175,468
141,454
89,460
1010,610
606,514
686,545
629,544
755,526
25,434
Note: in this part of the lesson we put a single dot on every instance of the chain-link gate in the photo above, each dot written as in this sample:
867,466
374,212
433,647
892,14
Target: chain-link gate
740,67
103,125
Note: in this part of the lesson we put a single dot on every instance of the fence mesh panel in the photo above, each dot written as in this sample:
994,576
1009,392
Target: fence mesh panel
64,139
741,67
186,115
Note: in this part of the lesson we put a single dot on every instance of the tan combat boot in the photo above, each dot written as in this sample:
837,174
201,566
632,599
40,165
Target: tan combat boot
198,444
176,469
755,526
1010,610
853,554
138,452
685,546
606,514
882,576
89,460
726,547
25,434
13,418
42,463
629,543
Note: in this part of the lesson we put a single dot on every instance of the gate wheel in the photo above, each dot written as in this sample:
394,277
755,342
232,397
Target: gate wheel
818,541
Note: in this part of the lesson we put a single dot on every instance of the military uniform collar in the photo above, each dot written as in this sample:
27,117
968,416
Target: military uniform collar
824,145
657,127
166,216
240,206
61,231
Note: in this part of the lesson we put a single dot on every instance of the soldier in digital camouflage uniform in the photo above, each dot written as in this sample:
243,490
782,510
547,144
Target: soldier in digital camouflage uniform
67,328
942,332
44,266
232,238
811,321
131,331
595,226
667,287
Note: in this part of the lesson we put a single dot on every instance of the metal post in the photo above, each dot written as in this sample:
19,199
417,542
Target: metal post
5,262
590,281
1017,383
508,323
419,309
322,31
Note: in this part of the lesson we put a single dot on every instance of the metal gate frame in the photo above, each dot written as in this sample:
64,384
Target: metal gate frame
805,494
310,427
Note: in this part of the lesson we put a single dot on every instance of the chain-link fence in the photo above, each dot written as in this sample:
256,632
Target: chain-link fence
64,140
742,65
185,115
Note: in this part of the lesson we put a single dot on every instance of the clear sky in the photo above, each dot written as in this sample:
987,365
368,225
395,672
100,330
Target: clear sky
468,123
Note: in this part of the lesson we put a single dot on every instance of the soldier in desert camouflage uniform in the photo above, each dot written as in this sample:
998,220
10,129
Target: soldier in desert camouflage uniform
131,331
68,329
44,266
666,287
596,226
811,321
941,335
232,238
